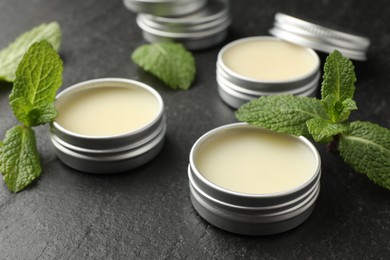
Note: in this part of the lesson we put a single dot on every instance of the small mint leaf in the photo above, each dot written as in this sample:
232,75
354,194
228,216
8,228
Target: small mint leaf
367,148
323,130
19,159
38,77
347,105
338,85
12,55
168,61
286,114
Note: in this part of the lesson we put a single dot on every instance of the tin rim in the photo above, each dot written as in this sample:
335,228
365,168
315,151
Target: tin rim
164,7
249,195
256,216
183,35
126,147
254,209
217,9
122,156
173,27
239,77
236,99
221,79
104,82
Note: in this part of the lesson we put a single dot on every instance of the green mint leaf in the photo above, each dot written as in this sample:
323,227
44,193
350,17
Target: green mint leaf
337,86
38,77
168,61
286,114
12,55
19,159
367,148
323,130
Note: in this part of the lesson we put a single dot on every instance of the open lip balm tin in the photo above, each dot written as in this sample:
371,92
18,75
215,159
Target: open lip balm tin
111,150
262,201
239,82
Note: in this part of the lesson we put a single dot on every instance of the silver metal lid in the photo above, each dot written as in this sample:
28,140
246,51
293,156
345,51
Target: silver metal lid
318,37
164,7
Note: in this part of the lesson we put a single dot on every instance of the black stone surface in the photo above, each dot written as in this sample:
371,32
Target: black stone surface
146,213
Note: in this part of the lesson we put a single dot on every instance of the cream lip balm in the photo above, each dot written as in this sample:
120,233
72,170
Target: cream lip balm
247,160
107,110
270,59
253,181
108,125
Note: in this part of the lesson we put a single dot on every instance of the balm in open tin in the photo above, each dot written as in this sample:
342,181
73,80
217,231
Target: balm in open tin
108,125
253,181
264,65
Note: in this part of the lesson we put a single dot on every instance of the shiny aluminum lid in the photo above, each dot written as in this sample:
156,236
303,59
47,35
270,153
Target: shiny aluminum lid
318,37
164,7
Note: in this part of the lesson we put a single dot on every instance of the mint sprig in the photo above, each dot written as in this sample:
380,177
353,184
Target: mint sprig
38,77
12,55
364,145
168,61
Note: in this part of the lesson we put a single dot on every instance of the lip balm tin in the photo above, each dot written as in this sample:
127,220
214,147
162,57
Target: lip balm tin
319,37
109,154
236,89
164,7
251,214
201,29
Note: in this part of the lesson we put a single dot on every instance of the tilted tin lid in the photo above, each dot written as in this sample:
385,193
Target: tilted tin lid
318,37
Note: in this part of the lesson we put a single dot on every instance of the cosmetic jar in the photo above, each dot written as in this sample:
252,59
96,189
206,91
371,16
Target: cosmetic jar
108,125
252,181
201,29
164,7
264,65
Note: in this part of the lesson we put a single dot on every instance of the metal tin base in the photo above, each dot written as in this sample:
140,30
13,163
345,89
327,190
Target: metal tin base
227,222
113,164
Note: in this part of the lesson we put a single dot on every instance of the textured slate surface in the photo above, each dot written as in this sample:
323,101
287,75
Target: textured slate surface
146,213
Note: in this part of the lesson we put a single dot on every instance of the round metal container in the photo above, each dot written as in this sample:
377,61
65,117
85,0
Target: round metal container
202,29
236,89
252,214
318,37
109,154
164,7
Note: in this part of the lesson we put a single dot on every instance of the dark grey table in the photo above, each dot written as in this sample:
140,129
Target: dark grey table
146,213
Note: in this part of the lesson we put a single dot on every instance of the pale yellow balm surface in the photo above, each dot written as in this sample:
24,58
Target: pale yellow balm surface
107,111
255,161
269,60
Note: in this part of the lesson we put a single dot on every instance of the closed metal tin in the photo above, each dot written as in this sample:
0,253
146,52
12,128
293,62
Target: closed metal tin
319,37
199,30
109,154
252,214
164,7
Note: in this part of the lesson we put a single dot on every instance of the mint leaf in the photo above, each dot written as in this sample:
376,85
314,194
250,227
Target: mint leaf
286,114
337,86
367,148
38,77
19,159
11,56
168,61
323,130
